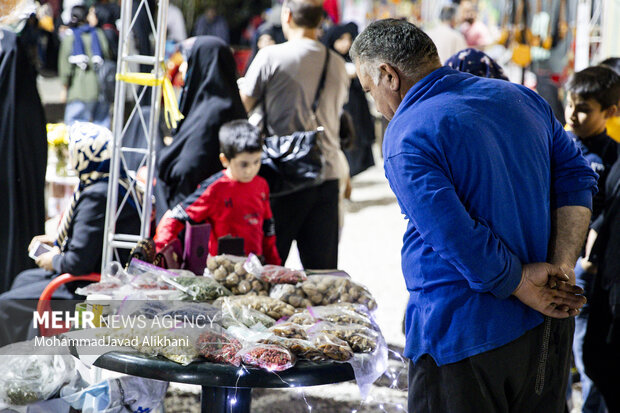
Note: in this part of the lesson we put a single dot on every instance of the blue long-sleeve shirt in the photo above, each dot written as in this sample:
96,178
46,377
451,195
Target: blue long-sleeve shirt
477,165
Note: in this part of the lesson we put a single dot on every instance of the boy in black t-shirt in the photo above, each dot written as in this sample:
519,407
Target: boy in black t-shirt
593,95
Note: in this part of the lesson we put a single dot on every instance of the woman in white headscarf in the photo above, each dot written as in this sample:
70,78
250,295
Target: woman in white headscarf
78,247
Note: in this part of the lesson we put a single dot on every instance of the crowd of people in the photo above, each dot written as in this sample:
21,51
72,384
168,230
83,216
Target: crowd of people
512,217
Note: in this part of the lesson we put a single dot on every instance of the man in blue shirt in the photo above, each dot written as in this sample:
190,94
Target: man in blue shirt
498,201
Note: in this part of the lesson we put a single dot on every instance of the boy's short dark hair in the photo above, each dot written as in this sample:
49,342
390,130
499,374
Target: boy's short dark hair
612,62
239,136
596,82
305,13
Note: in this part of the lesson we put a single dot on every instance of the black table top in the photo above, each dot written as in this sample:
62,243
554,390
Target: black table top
304,373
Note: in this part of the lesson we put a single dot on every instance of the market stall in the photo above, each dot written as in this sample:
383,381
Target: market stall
238,326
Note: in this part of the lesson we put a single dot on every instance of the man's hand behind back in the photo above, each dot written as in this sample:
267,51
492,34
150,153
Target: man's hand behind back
549,290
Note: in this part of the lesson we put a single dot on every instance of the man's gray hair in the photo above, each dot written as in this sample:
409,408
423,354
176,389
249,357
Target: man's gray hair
396,42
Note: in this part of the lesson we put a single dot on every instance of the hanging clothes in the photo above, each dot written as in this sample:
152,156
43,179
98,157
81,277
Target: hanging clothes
360,157
209,99
23,148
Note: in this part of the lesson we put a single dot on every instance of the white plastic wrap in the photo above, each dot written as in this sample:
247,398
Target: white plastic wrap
27,379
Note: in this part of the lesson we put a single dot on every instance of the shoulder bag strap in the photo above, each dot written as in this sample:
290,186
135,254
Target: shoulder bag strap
317,96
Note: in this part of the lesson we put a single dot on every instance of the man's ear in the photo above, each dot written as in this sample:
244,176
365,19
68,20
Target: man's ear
286,15
610,112
390,74
224,160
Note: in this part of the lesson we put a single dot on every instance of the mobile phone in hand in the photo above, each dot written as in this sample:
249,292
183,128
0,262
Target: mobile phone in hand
38,249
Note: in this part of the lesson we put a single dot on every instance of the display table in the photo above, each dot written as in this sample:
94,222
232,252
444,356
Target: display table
224,389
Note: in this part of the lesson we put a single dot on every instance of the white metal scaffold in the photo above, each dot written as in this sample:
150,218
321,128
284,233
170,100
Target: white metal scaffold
114,241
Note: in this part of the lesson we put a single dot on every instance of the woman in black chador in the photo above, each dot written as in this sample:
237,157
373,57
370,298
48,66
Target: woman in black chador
23,151
340,38
209,99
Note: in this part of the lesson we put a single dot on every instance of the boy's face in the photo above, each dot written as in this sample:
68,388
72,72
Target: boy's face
585,117
243,167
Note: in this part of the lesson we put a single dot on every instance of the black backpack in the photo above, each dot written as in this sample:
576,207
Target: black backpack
106,75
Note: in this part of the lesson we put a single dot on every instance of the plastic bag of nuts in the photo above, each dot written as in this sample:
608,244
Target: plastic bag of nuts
201,288
273,274
230,272
304,349
360,339
289,330
334,313
267,356
290,294
219,347
275,309
324,290
332,347
237,314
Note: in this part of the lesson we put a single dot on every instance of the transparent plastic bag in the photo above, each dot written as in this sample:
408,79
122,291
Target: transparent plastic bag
118,395
27,379
140,279
290,294
194,313
313,341
112,279
324,290
337,314
289,329
267,356
201,288
368,367
218,346
178,344
167,337
143,275
230,272
361,339
145,308
332,347
272,307
273,274
303,349
236,314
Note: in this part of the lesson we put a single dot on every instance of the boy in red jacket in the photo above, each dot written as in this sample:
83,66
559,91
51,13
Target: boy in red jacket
234,201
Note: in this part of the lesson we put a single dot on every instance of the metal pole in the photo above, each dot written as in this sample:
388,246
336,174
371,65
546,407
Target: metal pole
117,126
112,240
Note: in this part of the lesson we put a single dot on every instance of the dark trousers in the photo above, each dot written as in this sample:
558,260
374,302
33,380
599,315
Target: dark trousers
497,381
310,217
601,347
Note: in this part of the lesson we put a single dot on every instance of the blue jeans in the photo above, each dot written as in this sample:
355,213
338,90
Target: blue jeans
592,399
95,112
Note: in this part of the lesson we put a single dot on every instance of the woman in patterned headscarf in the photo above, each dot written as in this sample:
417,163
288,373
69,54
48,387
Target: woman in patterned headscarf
78,247
477,63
